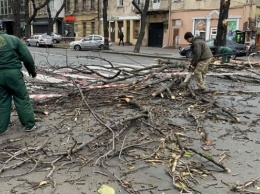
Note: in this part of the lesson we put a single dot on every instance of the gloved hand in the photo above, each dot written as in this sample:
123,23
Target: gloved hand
33,74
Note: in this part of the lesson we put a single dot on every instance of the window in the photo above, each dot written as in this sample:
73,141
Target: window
76,5
120,2
92,4
136,28
67,5
92,27
22,6
88,38
200,28
177,22
84,28
213,33
84,6
96,38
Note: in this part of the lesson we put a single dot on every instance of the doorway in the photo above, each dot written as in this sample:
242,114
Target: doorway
155,36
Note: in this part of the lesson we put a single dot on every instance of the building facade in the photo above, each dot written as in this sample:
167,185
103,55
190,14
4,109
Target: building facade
41,21
123,16
167,21
7,18
82,18
201,18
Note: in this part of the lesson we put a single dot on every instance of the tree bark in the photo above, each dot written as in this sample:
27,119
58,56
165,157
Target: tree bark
222,23
142,29
105,25
55,18
16,7
28,18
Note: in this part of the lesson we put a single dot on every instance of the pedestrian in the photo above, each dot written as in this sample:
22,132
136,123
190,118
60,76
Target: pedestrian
226,53
14,53
121,38
202,56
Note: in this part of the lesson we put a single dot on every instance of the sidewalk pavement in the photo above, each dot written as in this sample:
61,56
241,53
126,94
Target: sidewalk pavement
157,52
165,53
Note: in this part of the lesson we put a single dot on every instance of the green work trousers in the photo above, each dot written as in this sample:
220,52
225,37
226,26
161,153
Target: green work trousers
12,86
226,59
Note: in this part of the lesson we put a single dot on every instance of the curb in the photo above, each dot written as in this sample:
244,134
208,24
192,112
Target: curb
157,55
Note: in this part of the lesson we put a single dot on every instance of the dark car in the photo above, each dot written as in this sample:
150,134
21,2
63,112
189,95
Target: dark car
238,49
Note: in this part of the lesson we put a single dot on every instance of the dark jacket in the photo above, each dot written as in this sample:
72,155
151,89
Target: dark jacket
121,35
200,51
12,52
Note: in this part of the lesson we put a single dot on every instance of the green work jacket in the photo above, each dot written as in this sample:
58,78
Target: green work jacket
13,52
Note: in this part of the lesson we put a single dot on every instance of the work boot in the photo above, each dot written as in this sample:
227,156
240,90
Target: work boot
35,127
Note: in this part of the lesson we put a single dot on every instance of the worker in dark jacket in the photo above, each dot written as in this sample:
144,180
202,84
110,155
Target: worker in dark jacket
121,37
226,53
14,53
202,56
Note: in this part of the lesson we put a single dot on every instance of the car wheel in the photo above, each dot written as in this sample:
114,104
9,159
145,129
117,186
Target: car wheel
189,54
77,48
102,47
37,44
54,41
28,44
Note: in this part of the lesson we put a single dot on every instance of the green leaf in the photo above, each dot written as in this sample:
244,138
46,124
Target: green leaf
188,154
208,154
105,189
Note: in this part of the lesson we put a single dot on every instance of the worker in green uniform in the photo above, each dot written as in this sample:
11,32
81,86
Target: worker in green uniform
14,53
226,53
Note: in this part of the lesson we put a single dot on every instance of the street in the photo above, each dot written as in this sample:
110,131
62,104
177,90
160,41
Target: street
110,119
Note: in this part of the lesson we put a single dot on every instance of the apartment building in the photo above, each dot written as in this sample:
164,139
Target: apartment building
7,19
122,15
201,18
168,20
82,17
41,21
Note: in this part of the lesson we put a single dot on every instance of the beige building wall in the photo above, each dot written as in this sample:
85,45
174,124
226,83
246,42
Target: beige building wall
127,18
123,17
186,15
83,17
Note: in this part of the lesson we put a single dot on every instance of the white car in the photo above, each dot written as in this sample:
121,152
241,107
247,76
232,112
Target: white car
89,42
56,38
39,40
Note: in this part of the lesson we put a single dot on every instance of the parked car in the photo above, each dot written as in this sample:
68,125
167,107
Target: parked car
238,49
89,42
56,38
39,40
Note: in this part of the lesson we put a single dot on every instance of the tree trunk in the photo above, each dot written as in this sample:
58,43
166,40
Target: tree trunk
105,24
142,29
28,18
16,7
222,23
55,18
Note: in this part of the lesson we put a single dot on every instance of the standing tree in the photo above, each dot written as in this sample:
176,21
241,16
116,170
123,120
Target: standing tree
105,24
16,7
28,18
143,24
55,17
222,23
